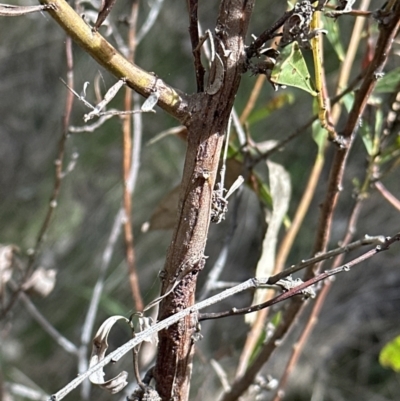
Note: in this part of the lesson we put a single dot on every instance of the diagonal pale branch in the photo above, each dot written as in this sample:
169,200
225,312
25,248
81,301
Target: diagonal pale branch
106,55
8,10
194,309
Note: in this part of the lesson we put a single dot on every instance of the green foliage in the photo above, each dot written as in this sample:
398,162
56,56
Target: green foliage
291,69
389,356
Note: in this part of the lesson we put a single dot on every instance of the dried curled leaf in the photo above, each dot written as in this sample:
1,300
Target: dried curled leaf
41,282
6,262
141,323
100,346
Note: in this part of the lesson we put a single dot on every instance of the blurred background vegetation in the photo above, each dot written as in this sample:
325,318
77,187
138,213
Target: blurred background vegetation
362,310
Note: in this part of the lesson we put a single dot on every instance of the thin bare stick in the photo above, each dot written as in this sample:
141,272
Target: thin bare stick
268,34
387,195
387,34
58,176
7,10
299,289
254,334
91,313
63,342
346,66
255,93
367,240
126,168
196,49
106,55
150,20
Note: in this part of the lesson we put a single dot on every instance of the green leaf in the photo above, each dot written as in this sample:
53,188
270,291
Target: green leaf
291,69
257,347
389,356
388,82
333,36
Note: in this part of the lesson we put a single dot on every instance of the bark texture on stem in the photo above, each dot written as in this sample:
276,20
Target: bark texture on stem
209,118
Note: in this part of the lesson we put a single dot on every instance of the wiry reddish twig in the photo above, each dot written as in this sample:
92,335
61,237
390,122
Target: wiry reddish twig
299,289
387,195
33,253
127,163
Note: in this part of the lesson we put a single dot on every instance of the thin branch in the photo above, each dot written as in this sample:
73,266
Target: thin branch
91,313
347,65
255,93
63,342
367,240
8,10
196,49
299,289
108,252
150,20
296,308
268,34
126,167
58,176
387,195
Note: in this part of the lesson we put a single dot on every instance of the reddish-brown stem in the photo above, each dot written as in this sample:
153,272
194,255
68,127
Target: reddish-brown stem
185,257
58,176
127,162
387,195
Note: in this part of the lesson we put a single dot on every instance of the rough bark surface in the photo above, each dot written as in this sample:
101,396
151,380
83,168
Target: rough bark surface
185,258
